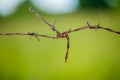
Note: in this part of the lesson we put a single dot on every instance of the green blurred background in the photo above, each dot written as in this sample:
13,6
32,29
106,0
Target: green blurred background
93,55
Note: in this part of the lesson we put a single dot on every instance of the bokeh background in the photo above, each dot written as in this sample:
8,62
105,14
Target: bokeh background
93,55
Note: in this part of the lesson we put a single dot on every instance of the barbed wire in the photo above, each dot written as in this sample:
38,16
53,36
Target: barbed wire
64,34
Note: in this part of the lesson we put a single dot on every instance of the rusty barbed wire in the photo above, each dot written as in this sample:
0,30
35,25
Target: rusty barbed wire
64,34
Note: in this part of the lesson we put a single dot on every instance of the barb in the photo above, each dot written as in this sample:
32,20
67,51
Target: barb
45,21
37,38
54,22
